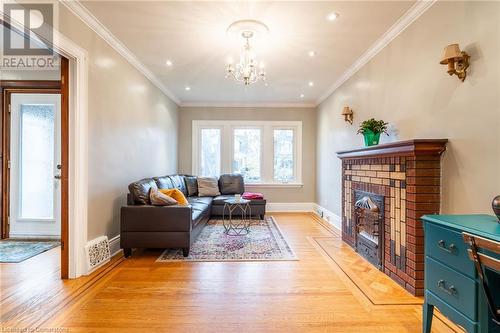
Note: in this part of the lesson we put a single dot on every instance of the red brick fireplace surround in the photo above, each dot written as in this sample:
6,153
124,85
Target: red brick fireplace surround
407,175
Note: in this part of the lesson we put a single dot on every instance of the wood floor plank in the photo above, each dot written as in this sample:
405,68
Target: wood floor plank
309,295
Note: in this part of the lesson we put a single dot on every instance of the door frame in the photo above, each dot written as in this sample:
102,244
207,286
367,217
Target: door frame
38,87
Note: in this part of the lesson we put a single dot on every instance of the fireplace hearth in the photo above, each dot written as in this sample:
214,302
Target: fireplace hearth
369,221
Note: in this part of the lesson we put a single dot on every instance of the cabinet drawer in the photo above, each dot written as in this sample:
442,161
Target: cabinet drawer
447,246
452,287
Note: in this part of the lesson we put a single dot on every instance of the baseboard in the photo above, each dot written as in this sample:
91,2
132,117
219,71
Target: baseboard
330,217
114,245
289,207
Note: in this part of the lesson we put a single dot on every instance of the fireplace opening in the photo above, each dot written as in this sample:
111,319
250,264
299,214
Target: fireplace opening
369,222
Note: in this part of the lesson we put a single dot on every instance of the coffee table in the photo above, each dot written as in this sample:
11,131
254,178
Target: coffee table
236,226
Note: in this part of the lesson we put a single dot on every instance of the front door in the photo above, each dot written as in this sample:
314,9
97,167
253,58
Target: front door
35,163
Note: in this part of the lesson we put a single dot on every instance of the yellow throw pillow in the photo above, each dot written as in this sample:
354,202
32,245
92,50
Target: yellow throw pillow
176,194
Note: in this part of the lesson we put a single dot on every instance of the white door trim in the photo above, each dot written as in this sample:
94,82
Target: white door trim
78,146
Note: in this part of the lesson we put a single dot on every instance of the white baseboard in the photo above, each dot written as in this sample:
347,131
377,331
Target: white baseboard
289,207
114,245
332,219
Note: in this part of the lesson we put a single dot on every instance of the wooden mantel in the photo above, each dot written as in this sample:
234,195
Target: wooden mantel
399,148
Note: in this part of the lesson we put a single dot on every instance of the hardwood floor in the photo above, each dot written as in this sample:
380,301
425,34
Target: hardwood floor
309,295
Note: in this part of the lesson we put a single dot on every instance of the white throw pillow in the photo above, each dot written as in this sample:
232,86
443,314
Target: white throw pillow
208,187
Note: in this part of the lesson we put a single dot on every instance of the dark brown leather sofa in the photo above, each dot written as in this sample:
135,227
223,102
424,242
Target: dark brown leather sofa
147,226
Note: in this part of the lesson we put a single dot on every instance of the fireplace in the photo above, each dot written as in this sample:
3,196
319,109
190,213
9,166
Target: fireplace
369,221
385,190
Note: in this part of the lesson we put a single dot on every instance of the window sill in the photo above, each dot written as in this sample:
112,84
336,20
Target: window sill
283,185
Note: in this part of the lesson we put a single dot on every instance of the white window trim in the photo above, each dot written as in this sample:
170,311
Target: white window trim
267,151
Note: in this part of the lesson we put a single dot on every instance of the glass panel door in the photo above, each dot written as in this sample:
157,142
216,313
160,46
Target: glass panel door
34,171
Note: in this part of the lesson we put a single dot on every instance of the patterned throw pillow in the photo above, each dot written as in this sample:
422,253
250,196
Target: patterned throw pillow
208,187
159,199
176,194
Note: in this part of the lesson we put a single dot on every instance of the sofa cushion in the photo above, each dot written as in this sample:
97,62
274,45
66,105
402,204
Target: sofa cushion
199,215
160,199
208,187
176,194
231,184
200,200
221,199
140,190
163,182
178,182
191,185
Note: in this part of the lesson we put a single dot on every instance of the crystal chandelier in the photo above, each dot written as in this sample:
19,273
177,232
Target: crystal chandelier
247,70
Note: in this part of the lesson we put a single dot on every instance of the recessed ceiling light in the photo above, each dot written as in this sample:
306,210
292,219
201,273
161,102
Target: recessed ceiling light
187,88
312,53
169,63
301,95
266,84
311,84
332,16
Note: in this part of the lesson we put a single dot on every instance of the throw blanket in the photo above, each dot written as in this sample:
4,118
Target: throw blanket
252,196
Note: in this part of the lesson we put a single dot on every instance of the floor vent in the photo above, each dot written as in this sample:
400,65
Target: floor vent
97,252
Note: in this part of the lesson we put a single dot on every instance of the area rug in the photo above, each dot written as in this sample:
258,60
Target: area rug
16,251
264,242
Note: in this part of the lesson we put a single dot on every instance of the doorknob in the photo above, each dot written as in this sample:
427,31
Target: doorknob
57,176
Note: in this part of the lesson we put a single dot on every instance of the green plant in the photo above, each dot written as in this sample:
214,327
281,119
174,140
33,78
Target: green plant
375,126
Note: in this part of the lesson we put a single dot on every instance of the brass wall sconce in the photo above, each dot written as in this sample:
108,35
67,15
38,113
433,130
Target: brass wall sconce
348,114
457,61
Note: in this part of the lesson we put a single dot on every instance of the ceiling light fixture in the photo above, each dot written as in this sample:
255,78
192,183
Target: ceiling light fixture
246,70
169,63
312,53
311,84
301,95
188,88
332,16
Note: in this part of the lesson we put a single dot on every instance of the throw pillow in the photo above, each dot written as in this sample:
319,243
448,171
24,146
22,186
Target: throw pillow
159,199
192,185
208,187
177,195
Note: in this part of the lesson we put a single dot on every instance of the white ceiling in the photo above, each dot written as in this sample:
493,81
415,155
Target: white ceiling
193,36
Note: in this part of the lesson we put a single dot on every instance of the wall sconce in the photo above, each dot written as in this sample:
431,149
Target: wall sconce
348,114
457,61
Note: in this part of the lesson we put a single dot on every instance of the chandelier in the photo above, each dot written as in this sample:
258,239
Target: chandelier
247,70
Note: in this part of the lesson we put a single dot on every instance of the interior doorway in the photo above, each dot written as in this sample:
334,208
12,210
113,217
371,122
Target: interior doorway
35,157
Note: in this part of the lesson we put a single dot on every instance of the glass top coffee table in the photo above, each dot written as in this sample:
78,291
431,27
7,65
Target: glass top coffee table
236,217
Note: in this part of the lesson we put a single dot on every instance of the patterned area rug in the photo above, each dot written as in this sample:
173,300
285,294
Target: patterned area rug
264,242
17,251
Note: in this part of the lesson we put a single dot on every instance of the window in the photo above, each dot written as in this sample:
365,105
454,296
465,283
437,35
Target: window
210,152
37,161
246,155
264,152
283,155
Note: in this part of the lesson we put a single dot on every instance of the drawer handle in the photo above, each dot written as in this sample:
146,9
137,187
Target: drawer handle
451,290
449,249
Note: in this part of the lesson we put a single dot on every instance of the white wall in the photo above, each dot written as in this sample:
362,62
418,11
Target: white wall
406,86
132,127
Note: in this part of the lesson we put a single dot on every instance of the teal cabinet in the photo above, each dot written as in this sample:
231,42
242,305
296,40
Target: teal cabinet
451,282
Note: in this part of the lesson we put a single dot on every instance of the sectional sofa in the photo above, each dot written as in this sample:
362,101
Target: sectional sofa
145,226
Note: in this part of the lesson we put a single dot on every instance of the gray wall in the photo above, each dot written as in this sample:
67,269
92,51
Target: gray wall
132,127
306,115
406,86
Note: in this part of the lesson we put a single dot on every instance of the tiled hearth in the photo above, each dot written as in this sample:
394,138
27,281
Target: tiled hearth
407,175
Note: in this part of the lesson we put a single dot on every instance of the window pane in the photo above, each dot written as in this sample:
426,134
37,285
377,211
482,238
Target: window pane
210,152
246,160
37,161
283,155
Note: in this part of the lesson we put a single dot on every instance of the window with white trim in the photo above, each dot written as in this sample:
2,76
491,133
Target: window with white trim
264,152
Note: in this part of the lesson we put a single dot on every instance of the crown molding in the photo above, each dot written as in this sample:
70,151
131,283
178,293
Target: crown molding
420,7
247,105
93,23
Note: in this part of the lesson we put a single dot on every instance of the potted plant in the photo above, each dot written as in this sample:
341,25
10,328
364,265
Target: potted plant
371,130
